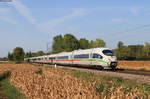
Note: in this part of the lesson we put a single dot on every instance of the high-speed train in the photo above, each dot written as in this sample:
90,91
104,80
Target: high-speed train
102,58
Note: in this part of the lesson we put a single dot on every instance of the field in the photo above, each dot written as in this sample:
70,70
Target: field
38,82
138,65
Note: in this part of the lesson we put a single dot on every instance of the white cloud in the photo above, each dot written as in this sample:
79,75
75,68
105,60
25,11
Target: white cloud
6,16
23,10
51,25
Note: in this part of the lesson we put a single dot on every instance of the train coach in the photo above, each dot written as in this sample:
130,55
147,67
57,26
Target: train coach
102,58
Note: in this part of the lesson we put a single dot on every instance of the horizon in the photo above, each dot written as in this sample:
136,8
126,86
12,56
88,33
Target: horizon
32,24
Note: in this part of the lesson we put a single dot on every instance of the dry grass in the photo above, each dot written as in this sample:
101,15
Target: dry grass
37,82
138,65
49,83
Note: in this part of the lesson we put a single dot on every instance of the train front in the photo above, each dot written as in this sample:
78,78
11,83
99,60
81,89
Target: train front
110,57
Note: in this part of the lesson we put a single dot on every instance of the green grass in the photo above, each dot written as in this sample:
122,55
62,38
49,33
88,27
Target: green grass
105,83
80,74
7,89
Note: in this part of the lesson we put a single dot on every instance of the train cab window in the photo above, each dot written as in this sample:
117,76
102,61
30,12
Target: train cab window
97,56
108,53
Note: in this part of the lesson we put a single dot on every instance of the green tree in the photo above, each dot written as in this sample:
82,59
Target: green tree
28,54
10,57
84,44
146,50
120,44
123,53
70,42
18,54
135,50
40,53
58,44
97,43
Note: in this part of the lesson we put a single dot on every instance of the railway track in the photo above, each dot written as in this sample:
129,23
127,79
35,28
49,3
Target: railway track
139,76
135,72
117,70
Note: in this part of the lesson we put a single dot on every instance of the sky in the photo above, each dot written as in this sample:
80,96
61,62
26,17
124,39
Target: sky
32,24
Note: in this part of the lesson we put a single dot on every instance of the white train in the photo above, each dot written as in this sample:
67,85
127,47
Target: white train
103,58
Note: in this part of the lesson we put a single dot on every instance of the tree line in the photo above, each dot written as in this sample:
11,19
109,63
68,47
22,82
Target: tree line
69,42
132,52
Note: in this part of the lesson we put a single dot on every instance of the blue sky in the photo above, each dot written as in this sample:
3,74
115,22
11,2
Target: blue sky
32,23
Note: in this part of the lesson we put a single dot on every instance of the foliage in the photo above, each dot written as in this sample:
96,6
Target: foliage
9,90
70,43
120,44
97,43
84,44
58,44
18,54
10,56
133,52
34,54
110,85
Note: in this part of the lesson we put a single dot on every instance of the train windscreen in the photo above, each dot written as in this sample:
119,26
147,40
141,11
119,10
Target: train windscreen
108,52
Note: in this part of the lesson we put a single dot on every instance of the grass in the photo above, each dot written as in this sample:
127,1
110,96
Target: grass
80,74
7,89
107,85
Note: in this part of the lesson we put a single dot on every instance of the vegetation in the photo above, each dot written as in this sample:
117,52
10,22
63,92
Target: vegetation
107,85
69,42
17,55
133,52
7,89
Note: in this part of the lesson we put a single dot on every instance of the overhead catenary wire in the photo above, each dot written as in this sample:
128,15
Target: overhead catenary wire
128,30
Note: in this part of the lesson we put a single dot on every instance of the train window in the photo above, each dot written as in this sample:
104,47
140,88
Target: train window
52,58
81,56
63,57
97,56
108,52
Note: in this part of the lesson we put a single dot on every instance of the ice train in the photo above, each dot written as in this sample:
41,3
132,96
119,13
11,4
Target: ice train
103,58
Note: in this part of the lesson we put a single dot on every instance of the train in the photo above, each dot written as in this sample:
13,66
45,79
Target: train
102,58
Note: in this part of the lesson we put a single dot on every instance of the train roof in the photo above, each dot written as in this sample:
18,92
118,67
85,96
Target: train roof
79,51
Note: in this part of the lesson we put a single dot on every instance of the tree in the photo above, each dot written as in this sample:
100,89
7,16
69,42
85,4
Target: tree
146,49
123,53
40,53
70,43
28,54
58,44
84,44
18,54
97,43
10,57
120,44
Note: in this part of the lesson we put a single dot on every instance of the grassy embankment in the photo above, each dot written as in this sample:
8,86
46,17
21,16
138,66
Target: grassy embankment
109,86
8,91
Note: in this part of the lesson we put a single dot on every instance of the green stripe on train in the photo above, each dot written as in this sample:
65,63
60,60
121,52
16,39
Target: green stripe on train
97,60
